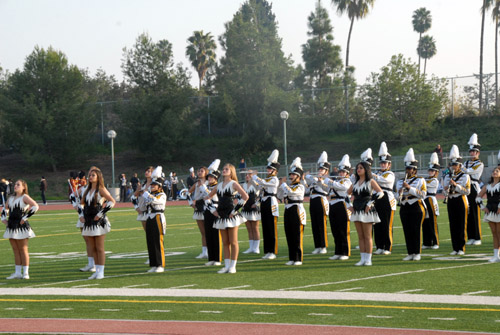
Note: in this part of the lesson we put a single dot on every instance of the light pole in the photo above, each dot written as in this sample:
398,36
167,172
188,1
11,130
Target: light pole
284,117
112,135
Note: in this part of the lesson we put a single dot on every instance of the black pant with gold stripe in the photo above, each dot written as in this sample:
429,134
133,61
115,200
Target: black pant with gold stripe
212,236
339,223
430,232
473,216
412,217
269,227
294,232
154,239
318,222
383,229
457,214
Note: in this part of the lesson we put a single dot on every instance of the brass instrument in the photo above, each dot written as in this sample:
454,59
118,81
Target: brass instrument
401,191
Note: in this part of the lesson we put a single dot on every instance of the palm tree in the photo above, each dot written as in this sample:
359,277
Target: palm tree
355,9
426,49
495,14
422,21
486,5
201,53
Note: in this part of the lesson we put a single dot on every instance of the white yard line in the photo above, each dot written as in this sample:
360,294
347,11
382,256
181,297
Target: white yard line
183,286
132,286
333,297
381,276
349,289
110,310
379,316
62,309
159,310
477,292
410,291
320,314
213,312
443,319
14,309
264,313
88,285
235,287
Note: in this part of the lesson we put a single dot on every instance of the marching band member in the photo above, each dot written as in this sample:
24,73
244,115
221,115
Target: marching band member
156,225
474,168
492,210
339,214
269,210
139,202
228,218
318,207
386,206
412,191
212,234
457,186
15,213
195,200
430,232
295,214
364,214
96,202
251,213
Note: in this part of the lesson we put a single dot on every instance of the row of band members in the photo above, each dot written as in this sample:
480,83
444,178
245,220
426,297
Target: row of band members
218,218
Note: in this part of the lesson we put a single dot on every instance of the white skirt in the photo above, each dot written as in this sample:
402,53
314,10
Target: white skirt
251,216
235,221
18,234
97,230
491,217
197,215
361,216
142,216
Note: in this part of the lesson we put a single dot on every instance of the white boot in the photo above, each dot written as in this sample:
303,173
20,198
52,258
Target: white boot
362,261
495,258
232,266
17,274
368,259
26,274
250,249
256,246
225,269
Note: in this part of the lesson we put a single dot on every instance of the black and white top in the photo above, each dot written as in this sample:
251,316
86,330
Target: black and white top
493,203
250,210
386,180
95,205
294,196
362,193
155,204
462,188
225,208
417,191
474,168
196,198
318,190
432,185
140,204
269,187
15,211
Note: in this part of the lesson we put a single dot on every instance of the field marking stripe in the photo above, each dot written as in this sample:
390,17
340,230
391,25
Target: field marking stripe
382,276
239,303
477,292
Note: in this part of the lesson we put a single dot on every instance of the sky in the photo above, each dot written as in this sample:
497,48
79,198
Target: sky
93,33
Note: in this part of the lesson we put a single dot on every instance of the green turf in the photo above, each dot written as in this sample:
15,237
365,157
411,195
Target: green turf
58,251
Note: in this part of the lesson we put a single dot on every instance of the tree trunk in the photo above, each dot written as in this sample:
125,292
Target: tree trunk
425,66
346,72
418,52
496,63
481,59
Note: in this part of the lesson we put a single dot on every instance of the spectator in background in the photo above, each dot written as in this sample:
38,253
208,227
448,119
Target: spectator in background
242,168
43,189
191,180
439,151
174,181
335,171
123,187
134,181
4,185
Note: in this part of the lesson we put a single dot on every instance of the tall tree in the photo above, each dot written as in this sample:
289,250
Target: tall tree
401,104
147,64
495,14
323,65
426,49
356,10
47,107
254,77
422,21
201,53
486,4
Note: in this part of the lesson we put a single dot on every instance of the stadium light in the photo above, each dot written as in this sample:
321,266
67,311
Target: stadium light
284,117
112,135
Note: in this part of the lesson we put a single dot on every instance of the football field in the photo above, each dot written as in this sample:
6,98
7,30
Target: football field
439,292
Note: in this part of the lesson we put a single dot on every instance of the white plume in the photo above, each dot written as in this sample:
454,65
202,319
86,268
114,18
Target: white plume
274,156
297,163
473,140
434,159
345,162
410,156
454,153
383,149
157,173
214,166
323,158
191,169
498,157
366,155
